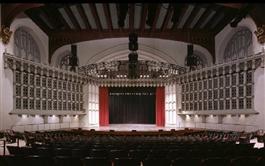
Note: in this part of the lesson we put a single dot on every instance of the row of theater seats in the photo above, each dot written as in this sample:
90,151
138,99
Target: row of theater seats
82,148
139,152
90,161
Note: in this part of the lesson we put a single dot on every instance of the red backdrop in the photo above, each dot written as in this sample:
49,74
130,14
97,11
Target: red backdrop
160,106
103,106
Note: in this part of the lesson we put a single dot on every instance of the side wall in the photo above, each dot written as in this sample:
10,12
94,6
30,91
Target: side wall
26,122
234,122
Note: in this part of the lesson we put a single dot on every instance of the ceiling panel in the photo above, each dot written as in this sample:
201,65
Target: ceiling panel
45,19
78,17
197,17
66,18
207,19
114,15
89,16
216,20
162,15
101,15
137,16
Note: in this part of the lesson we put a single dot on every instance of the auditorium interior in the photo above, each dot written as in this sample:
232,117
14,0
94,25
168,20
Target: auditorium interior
132,84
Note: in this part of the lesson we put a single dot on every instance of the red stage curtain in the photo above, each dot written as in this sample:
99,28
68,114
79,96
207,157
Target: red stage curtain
160,106
103,106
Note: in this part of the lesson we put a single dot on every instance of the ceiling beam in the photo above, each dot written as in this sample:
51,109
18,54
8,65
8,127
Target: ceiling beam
54,12
83,16
231,5
192,15
33,14
72,17
9,11
182,11
229,15
158,8
95,15
131,16
52,19
60,38
143,16
167,17
203,17
210,21
257,13
107,15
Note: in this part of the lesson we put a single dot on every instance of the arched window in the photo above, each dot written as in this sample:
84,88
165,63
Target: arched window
201,61
25,46
239,45
63,60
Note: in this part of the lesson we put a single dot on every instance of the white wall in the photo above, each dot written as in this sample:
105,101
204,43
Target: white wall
1,77
30,123
234,122
117,49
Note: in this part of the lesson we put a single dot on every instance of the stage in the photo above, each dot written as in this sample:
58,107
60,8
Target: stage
130,127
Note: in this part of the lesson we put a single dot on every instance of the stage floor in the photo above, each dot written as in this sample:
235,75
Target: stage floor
130,127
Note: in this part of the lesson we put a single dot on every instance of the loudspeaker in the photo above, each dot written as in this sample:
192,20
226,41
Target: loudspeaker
133,45
189,55
73,58
133,57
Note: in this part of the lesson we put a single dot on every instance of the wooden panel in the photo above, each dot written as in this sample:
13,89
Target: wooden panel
10,11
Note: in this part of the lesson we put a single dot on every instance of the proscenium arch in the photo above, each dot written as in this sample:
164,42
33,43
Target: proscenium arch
168,51
121,50
149,52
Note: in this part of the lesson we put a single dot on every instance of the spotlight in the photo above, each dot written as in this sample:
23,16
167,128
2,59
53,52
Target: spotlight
133,45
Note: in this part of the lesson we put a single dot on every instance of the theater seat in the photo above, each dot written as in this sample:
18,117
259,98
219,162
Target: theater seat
36,160
67,161
244,161
126,162
216,162
93,161
186,162
156,162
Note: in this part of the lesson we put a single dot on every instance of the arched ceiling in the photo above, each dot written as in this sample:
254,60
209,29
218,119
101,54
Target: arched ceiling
64,24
